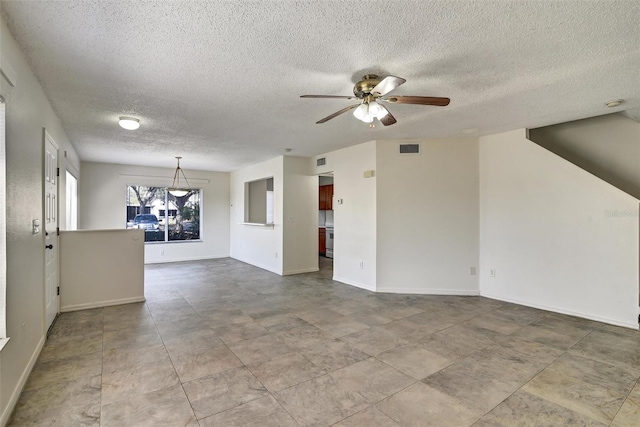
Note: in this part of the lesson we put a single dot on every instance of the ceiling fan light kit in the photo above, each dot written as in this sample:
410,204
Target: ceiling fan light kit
367,111
176,188
371,90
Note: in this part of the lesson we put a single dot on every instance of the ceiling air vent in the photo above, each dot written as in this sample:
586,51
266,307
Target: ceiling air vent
409,149
321,161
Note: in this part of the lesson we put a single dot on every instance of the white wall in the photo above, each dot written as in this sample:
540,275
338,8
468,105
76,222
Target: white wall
427,217
256,245
607,146
300,214
355,219
103,206
28,112
559,238
99,268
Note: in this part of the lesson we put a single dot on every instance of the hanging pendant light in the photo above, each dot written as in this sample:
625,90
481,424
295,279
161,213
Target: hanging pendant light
176,189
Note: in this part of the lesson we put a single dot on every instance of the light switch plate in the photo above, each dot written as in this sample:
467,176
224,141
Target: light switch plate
36,226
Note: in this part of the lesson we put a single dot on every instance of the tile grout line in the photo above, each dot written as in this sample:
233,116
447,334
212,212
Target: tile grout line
238,303
172,364
564,353
207,376
636,384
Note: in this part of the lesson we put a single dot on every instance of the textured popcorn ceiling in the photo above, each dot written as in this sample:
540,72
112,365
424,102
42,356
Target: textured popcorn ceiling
218,82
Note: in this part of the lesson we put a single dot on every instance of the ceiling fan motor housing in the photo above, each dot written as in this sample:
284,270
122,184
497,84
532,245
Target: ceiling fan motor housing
366,85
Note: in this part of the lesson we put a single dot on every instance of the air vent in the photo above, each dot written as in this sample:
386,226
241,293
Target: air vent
409,149
321,161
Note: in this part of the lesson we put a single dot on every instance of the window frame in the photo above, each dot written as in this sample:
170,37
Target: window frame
165,188
266,201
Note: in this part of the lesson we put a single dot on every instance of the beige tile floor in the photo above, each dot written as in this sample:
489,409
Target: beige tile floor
222,343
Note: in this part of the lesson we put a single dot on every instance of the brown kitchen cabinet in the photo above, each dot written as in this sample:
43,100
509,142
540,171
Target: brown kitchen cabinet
322,241
326,197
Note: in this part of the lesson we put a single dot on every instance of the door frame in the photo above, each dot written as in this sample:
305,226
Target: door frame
48,138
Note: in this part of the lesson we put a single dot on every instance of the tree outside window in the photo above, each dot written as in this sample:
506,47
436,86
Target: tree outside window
163,216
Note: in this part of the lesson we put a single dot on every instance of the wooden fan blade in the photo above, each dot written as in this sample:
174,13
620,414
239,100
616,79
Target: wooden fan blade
327,96
337,113
387,84
388,120
421,100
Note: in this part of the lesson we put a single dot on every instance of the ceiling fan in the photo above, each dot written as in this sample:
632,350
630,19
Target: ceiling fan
370,91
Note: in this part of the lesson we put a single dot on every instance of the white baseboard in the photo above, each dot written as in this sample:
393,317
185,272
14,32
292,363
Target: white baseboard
198,258
414,291
8,410
99,304
304,270
356,284
633,324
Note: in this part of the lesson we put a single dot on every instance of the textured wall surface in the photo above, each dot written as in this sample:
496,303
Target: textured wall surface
427,217
558,237
27,113
103,206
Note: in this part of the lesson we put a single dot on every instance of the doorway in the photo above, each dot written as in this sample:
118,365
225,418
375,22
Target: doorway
326,231
50,216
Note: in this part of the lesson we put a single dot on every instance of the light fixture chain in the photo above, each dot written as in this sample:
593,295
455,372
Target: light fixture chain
176,176
185,179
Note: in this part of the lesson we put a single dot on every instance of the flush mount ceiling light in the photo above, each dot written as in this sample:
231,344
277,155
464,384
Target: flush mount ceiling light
614,103
176,188
129,123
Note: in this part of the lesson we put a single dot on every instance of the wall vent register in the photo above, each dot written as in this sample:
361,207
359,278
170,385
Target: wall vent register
409,149
321,161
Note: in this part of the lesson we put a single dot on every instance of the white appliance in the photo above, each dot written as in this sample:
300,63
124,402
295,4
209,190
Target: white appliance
329,243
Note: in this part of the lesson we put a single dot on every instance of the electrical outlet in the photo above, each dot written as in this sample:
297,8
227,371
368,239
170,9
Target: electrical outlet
361,265
472,271
492,272
162,252
276,254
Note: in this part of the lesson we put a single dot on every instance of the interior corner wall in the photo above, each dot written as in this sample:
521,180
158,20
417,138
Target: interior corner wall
354,261
558,237
28,112
300,214
261,246
102,205
428,217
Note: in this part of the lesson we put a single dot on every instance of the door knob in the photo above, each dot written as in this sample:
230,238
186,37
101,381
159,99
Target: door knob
49,246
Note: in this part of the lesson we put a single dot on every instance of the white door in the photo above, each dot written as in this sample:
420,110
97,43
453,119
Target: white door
50,230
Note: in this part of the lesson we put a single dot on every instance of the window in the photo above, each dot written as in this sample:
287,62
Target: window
259,201
147,209
72,202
